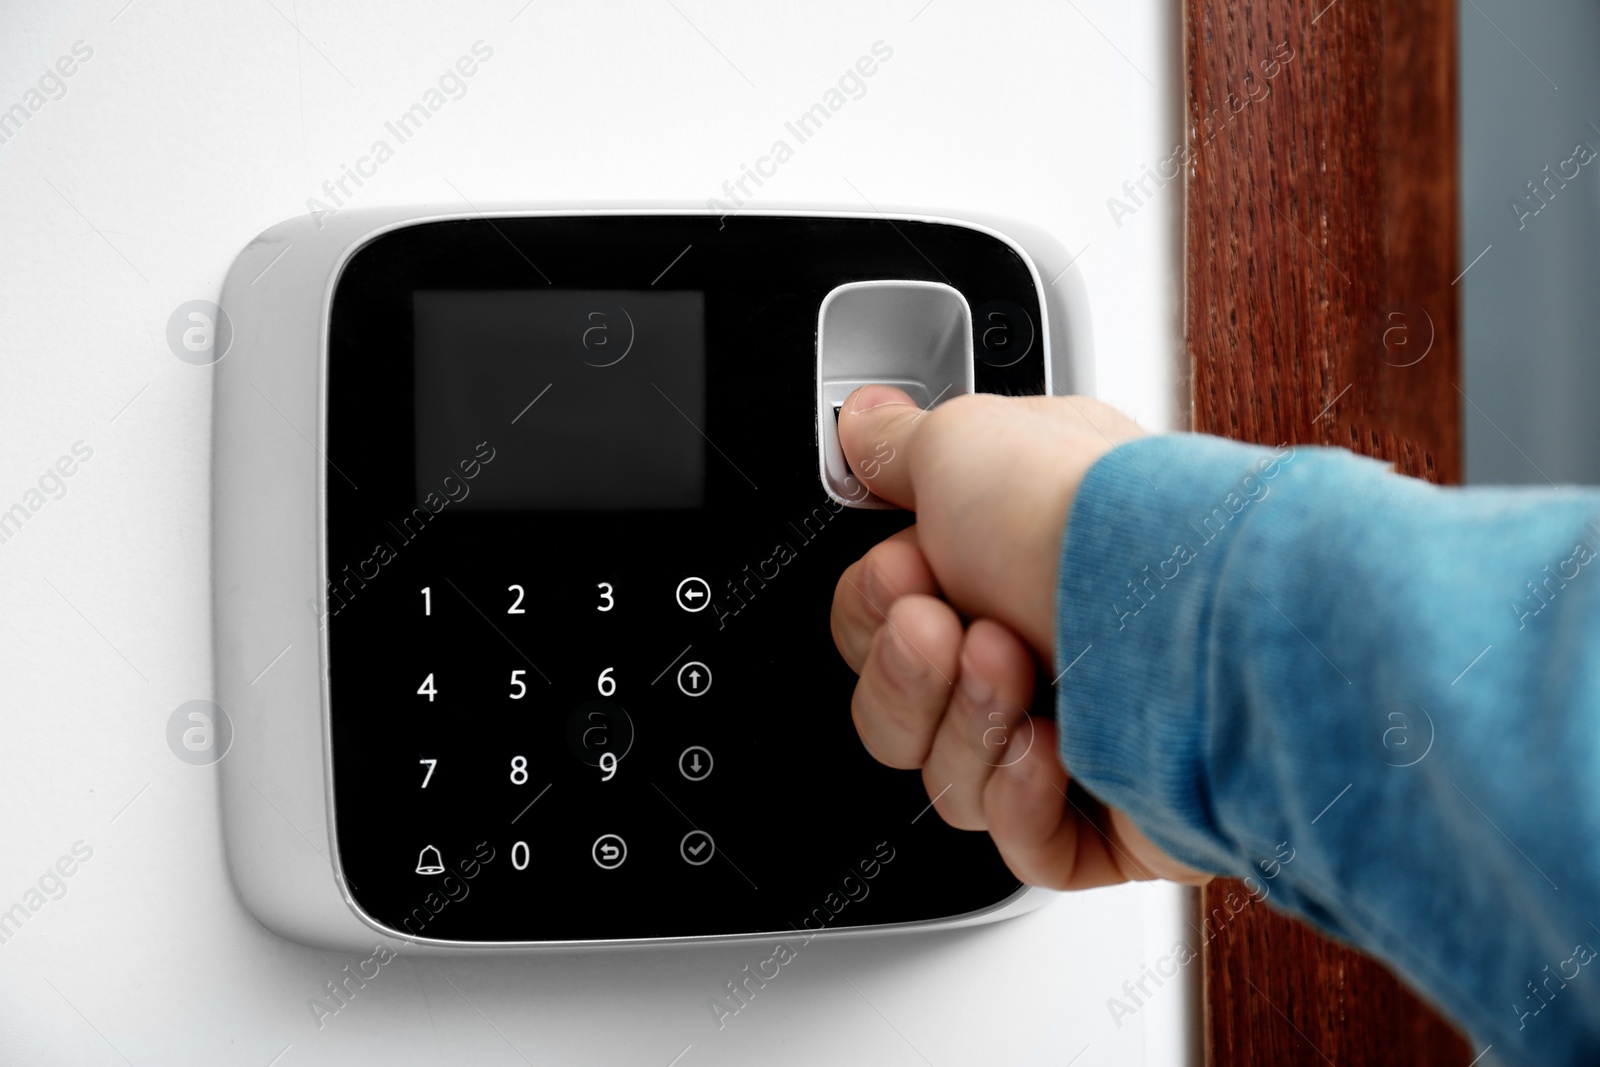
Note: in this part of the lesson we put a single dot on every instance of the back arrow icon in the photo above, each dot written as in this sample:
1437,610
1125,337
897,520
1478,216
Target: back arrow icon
691,591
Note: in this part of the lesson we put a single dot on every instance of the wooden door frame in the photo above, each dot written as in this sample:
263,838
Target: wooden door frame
1321,260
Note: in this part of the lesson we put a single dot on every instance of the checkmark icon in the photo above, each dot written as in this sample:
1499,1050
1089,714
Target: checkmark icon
697,848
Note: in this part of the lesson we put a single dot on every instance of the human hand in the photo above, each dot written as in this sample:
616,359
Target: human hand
992,481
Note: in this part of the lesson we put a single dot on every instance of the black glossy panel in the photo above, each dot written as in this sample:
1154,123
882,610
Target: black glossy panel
731,721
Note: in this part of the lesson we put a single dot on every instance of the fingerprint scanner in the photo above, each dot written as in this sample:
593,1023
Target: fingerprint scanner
913,335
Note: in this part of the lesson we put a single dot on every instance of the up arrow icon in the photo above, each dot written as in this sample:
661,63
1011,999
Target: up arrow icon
694,678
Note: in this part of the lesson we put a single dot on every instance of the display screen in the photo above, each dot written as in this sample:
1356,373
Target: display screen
594,400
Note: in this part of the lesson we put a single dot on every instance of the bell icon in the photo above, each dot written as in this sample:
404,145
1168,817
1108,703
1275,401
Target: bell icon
428,862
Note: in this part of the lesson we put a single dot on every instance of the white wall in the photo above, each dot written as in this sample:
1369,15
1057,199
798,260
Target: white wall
194,126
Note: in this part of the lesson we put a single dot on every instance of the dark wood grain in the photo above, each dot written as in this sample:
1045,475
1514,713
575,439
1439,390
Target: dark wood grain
1322,251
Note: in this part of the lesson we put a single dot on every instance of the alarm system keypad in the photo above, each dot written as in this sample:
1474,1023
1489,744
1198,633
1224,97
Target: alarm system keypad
581,680
637,728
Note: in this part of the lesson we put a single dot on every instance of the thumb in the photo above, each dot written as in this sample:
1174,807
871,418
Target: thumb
876,424
992,479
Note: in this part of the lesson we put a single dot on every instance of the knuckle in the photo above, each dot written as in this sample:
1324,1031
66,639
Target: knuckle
953,799
843,641
862,718
959,816
950,424
876,591
938,422
885,739
904,677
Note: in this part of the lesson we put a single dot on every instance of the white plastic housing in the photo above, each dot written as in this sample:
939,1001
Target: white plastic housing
269,534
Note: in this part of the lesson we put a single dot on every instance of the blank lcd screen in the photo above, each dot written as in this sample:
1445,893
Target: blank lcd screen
590,399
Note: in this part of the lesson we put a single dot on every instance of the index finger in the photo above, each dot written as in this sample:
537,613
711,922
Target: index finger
892,568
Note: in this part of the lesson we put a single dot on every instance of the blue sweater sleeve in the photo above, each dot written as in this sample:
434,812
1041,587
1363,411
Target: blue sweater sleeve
1377,699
